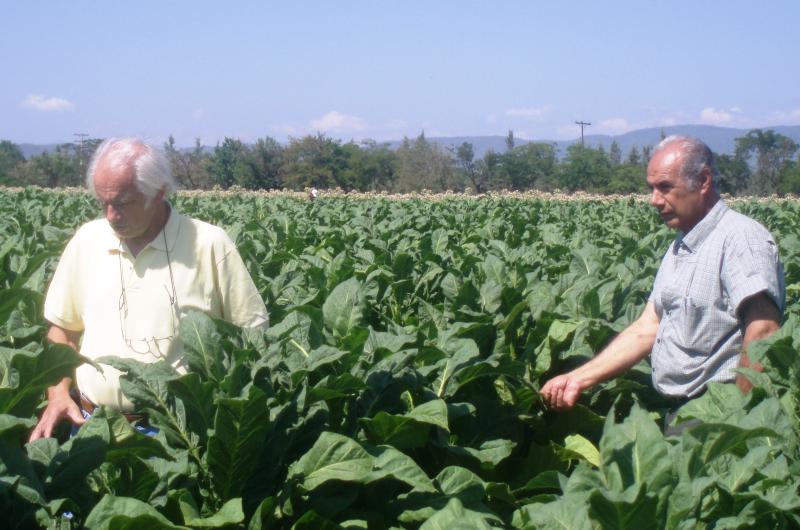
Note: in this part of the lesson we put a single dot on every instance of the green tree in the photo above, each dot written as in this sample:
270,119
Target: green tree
465,159
615,153
50,170
771,151
10,157
585,169
425,165
634,158
491,166
510,141
266,159
790,178
529,166
370,167
187,165
733,174
315,161
647,152
229,164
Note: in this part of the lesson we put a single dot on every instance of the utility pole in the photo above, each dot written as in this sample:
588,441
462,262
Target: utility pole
583,124
80,153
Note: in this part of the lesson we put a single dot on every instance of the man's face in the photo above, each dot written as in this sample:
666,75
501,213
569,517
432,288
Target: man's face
128,210
680,207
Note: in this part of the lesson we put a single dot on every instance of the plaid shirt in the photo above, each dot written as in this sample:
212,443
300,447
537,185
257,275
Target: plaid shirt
698,291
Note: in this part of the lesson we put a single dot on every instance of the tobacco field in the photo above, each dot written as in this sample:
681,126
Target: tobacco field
397,385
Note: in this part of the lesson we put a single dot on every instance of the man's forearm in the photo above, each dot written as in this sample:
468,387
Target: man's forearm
761,319
628,348
59,335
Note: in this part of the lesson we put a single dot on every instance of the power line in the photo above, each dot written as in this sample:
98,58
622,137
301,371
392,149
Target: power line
583,124
82,136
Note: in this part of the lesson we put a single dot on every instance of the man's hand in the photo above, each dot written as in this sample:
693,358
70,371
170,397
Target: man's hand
561,392
60,406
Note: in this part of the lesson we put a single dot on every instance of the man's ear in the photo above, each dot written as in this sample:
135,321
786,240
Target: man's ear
706,181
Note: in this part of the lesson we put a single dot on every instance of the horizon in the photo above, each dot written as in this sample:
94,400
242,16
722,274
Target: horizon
359,71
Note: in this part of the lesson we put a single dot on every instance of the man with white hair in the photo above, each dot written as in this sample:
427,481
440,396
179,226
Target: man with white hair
124,281
720,286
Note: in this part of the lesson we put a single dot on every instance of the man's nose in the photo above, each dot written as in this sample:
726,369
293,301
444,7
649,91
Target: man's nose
112,214
656,199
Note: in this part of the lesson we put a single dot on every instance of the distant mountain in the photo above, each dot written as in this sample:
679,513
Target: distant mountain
29,150
720,139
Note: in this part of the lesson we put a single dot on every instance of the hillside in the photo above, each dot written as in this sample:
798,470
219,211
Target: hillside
720,139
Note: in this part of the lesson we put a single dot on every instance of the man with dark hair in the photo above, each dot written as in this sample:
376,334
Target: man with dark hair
720,286
124,281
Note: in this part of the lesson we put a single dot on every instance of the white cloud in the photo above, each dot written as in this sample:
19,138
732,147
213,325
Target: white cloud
791,117
397,125
614,126
338,122
45,103
714,116
529,113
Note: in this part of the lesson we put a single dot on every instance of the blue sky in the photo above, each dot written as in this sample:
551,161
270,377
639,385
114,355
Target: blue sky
388,69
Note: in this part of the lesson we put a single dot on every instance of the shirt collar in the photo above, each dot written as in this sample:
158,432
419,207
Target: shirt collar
171,230
692,240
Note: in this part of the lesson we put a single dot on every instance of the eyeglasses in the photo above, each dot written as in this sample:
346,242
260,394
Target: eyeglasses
156,346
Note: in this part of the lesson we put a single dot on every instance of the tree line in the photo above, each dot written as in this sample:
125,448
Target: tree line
764,163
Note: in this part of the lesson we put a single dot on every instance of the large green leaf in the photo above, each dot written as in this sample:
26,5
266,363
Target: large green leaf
125,513
455,517
563,514
633,509
13,428
635,452
344,308
333,457
239,429
389,462
202,345
27,374
409,430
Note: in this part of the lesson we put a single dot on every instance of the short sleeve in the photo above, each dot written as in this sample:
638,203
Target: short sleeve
242,304
752,266
63,305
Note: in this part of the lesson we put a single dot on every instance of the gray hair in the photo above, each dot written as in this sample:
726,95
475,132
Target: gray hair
695,157
150,164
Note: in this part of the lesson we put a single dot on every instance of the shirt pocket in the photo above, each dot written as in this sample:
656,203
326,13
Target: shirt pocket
691,317
699,326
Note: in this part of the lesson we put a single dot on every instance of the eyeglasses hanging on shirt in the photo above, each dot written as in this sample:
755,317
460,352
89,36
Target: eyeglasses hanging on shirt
156,346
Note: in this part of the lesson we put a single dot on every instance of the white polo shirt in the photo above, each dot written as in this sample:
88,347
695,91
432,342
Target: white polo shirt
128,307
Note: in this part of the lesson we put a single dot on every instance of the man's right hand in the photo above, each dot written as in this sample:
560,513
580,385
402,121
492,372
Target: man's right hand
561,392
60,406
